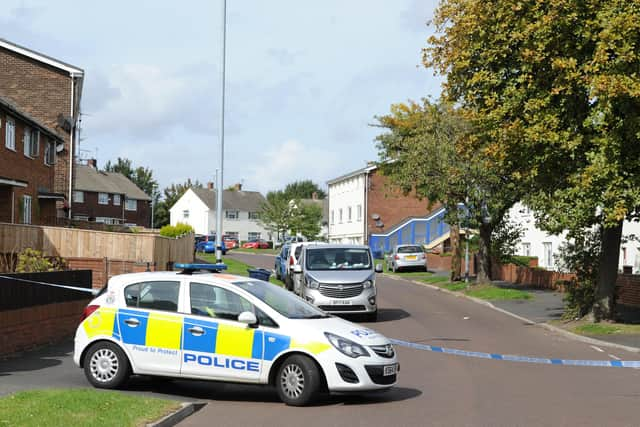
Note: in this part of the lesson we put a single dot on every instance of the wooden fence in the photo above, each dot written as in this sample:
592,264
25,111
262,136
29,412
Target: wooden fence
76,243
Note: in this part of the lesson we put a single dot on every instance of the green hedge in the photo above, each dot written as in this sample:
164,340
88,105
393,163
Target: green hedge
177,230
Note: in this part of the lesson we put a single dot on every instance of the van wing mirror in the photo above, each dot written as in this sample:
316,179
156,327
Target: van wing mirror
378,268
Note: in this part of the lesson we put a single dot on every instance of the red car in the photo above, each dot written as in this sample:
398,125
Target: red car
230,242
256,244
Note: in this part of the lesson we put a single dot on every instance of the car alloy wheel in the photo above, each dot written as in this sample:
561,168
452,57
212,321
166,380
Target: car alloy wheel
104,365
292,381
298,380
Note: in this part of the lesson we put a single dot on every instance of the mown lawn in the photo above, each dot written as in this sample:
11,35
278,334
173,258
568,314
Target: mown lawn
269,251
81,407
486,292
236,267
585,328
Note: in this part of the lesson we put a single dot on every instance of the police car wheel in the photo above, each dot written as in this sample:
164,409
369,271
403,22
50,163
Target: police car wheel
106,366
298,381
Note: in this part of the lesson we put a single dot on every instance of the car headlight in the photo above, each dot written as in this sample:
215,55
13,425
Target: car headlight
311,283
367,284
346,347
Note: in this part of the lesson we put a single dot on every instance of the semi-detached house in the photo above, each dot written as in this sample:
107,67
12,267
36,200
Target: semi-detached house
197,207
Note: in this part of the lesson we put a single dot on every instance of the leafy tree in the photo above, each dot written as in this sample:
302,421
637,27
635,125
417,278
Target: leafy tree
175,191
140,176
427,149
305,219
554,90
275,213
303,190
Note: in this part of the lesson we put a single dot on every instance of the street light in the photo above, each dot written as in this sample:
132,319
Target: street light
220,183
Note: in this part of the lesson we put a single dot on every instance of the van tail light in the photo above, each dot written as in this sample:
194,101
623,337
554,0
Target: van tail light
396,257
88,311
291,261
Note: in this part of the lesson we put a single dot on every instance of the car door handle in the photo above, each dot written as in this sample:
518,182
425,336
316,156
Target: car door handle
132,322
196,330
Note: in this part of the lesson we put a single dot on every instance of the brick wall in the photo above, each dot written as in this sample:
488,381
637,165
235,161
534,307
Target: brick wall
443,263
42,92
628,289
103,268
32,327
391,204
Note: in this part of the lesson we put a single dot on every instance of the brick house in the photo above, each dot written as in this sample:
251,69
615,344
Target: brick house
49,91
109,198
27,168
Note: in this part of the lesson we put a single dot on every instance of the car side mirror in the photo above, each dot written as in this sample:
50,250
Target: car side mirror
378,268
248,318
297,269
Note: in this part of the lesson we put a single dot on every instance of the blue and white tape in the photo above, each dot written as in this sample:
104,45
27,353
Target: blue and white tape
524,359
36,282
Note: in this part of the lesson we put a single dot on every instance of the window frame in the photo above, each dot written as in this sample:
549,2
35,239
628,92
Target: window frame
103,198
139,284
254,233
232,218
76,199
254,216
27,213
10,133
31,149
50,152
116,200
127,206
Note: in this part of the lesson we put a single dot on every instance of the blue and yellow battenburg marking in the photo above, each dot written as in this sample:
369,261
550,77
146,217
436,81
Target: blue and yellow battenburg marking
171,331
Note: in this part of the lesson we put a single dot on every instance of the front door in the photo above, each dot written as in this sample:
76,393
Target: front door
216,345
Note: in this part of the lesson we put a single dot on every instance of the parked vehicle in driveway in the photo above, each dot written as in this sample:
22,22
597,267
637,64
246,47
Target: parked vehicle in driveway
406,256
207,244
220,327
339,278
256,244
280,266
230,242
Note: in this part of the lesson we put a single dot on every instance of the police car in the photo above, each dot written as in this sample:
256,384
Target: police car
215,326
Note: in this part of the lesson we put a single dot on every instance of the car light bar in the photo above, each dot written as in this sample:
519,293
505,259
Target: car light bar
190,268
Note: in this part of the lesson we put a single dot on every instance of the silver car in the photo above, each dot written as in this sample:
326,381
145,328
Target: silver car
406,256
339,279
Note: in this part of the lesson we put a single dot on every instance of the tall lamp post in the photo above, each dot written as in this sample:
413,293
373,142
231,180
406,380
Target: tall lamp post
220,181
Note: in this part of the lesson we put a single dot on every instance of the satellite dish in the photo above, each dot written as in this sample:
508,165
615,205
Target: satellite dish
379,224
375,216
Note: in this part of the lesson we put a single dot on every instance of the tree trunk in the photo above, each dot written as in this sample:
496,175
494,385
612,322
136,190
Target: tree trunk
456,253
605,292
484,254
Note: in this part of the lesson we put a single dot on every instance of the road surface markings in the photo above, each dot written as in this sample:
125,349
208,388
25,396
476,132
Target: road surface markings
597,348
514,358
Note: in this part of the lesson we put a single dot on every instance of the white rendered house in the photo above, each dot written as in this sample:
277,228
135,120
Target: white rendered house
347,207
197,207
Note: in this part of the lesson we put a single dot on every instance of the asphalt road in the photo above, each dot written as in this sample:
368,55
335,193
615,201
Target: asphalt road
433,389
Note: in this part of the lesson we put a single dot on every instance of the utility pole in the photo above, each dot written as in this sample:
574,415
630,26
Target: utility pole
220,180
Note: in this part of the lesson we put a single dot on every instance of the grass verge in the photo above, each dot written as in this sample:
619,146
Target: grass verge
582,327
410,274
236,267
269,251
486,292
85,407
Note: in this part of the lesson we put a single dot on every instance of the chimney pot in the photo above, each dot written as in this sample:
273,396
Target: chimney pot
210,186
238,187
93,163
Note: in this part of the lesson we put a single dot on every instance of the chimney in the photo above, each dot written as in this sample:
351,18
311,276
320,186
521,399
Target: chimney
210,186
314,195
92,163
238,187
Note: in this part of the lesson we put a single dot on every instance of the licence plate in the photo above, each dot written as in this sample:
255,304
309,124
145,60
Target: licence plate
390,370
340,302
411,257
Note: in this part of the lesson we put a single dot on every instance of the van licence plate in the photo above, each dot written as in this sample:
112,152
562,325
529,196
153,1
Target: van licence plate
389,370
340,302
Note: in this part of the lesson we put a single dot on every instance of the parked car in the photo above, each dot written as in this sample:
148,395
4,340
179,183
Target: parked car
208,326
406,256
280,266
339,279
256,244
230,242
294,255
207,244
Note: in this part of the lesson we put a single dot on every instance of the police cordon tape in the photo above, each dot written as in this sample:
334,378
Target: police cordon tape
523,359
36,282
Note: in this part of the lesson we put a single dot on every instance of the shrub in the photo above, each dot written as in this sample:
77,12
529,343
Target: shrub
522,261
177,230
32,261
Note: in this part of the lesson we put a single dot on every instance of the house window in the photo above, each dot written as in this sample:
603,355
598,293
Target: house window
26,209
547,254
50,153
526,249
232,214
31,141
130,204
103,198
349,214
254,215
81,217
116,200
10,134
340,216
78,197
253,235
359,213
332,217
185,213
233,235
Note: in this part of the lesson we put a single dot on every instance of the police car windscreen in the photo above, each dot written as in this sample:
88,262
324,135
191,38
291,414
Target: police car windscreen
282,300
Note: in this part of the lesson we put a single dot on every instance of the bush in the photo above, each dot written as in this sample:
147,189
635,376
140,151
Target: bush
32,261
522,261
177,230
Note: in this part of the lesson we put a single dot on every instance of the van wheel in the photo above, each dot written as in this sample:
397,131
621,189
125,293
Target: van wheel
298,381
106,365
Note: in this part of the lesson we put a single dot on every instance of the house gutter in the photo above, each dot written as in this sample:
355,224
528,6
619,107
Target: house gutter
71,148
365,239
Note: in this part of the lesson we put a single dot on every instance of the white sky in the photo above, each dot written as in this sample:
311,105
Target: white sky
304,80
